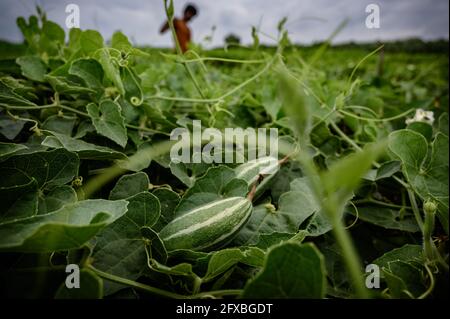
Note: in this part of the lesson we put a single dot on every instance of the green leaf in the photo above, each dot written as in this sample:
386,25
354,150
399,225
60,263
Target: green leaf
89,70
411,148
156,249
129,185
388,169
404,277
218,182
10,98
318,224
67,85
279,279
91,287
8,149
443,123
120,42
53,32
428,178
387,218
111,70
182,269
32,67
49,169
19,201
83,149
294,208
169,201
422,128
267,240
407,253
67,228
213,181
222,260
108,121
90,41
60,124
57,198
119,248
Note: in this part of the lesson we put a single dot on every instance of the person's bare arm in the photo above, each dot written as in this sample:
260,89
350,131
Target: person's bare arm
164,28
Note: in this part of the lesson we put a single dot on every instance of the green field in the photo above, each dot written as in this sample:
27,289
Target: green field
87,178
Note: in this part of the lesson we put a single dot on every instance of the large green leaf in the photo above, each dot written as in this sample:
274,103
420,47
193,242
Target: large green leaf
69,227
407,253
111,69
129,185
49,169
83,149
19,200
60,124
89,70
387,218
218,182
32,67
8,149
281,279
427,172
10,98
294,208
56,198
90,41
220,261
404,280
120,42
169,201
108,121
120,247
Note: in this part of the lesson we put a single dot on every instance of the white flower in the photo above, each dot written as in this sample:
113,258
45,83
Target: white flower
421,116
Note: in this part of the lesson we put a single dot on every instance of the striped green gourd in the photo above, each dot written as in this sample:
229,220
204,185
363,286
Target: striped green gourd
208,226
250,171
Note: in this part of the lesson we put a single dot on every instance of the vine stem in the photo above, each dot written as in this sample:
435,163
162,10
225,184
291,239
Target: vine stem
135,284
223,96
415,208
200,59
161,292
377,202
368,119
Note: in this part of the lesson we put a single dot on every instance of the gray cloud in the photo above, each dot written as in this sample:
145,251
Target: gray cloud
308,20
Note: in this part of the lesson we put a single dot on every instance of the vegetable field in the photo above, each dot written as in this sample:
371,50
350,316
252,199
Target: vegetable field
357,207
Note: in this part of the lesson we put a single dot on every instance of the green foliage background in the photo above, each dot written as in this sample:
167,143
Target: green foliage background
86,177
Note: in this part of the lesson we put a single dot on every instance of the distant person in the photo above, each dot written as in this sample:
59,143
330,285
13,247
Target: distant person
181,28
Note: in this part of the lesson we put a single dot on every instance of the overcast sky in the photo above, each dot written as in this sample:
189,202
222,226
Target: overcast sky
308,20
